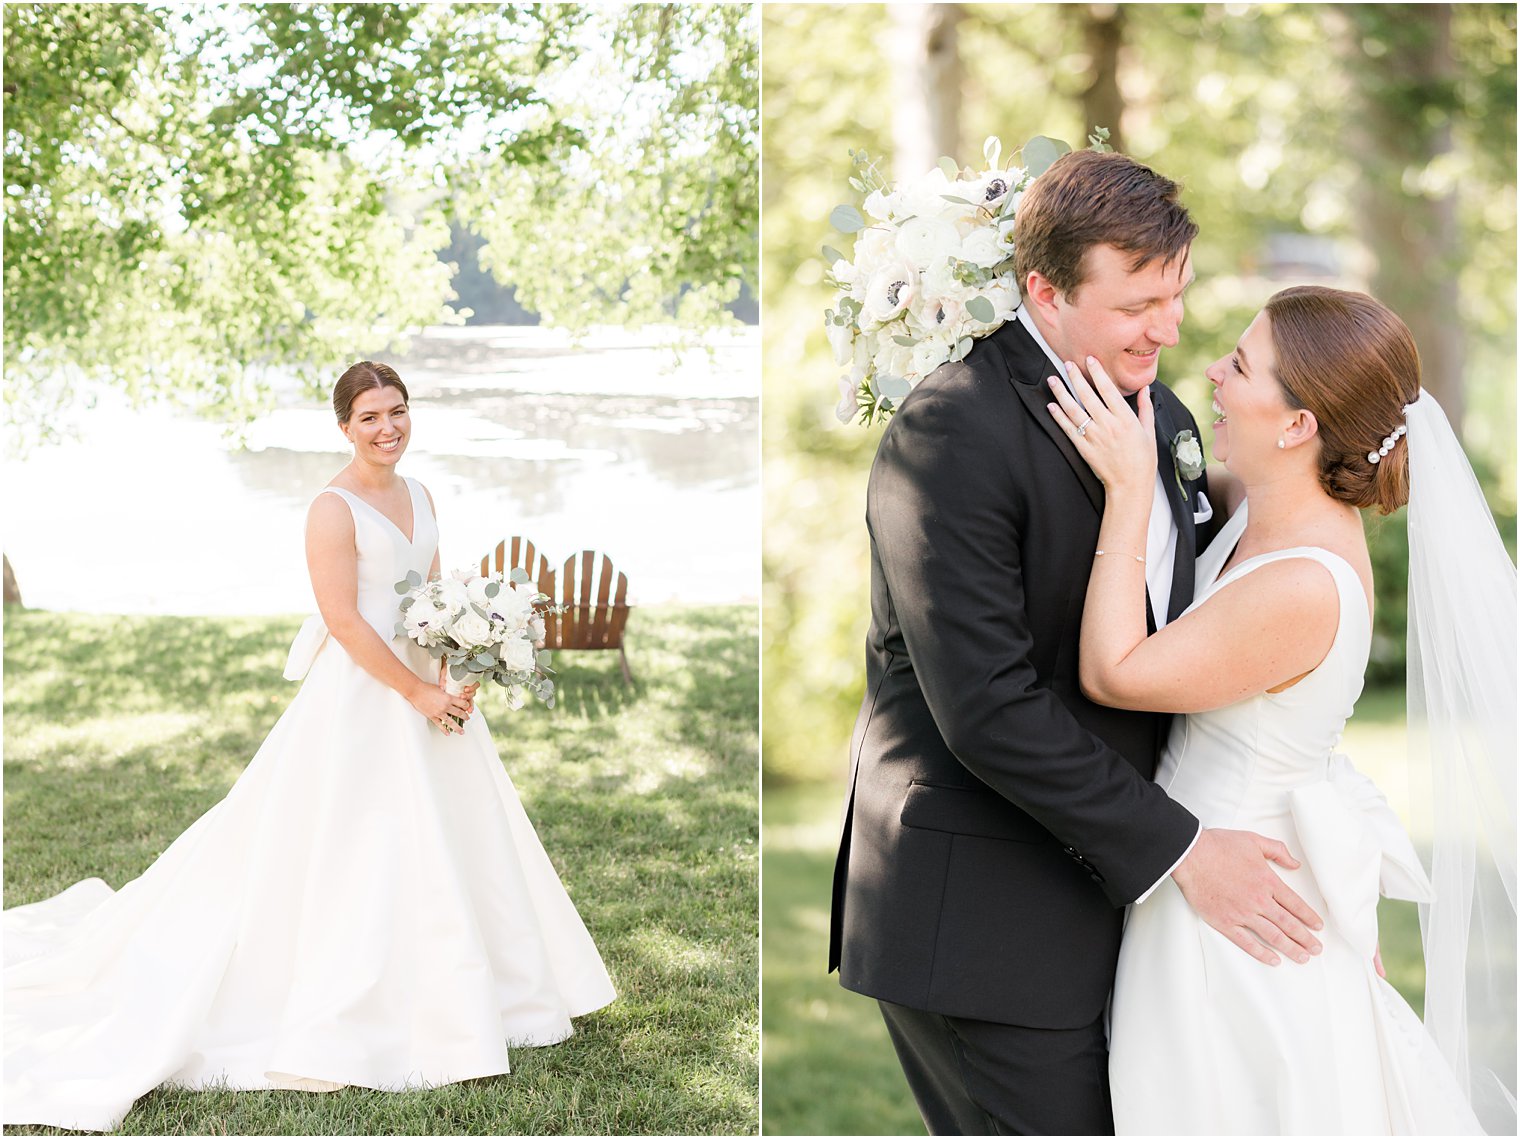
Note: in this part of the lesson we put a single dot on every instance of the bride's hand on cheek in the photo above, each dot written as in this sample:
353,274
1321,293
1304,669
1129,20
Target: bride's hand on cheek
1118,444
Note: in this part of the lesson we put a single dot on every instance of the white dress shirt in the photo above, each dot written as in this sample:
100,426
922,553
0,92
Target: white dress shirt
1160,549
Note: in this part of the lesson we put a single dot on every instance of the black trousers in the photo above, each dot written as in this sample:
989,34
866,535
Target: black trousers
973,1077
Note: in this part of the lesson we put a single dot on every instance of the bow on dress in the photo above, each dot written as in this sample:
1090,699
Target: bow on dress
1358,848
304,649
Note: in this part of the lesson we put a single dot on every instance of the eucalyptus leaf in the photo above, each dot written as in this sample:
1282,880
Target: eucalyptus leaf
1040,152
904,341
543,658
980,308
991,150
950,167
403,587
413,578
493,588
519,576
830,254
479,612
487,659
407,603
958,201
847,219
458,671
893,387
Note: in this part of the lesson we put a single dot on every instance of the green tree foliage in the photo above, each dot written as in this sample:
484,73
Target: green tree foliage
655,206
198,195
1251,107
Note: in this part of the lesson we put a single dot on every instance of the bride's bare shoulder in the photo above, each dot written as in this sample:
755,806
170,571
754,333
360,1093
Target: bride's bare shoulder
329,512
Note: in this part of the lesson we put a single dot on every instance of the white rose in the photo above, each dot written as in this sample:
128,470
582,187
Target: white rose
452,592
925,239
873,247
518,655
981,248
848,406
845,273
535,628
925,197
1004,296
893,359
929,354
938,279
475,590
1189,453
470,629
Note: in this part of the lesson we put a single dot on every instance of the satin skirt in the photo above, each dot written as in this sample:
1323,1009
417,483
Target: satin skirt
368,906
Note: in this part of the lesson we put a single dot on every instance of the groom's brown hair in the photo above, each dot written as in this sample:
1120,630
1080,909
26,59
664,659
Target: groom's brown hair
1089,198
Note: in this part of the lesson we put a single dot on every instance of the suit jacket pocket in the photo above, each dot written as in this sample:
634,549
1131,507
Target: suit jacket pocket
961,810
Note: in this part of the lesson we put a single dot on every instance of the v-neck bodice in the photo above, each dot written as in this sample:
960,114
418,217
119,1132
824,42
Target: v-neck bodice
386,555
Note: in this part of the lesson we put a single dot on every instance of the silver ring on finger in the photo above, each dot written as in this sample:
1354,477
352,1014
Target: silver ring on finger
1082,427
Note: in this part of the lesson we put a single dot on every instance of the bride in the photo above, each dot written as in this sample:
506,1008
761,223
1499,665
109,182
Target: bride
368,906
1319,413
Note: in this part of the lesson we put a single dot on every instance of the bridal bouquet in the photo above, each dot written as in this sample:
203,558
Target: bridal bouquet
486,628
931,272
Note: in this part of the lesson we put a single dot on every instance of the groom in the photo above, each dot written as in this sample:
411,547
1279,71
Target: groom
997,820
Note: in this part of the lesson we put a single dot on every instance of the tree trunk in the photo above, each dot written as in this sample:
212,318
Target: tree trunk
12,590
1102,103
1408,219
926,122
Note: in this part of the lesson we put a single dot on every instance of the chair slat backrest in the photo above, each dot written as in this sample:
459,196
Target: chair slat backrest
518,552
591,590
588,623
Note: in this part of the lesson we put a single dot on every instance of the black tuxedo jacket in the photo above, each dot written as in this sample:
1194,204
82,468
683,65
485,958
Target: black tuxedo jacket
997,820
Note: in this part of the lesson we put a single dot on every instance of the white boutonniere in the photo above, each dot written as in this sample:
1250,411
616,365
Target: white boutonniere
1187,458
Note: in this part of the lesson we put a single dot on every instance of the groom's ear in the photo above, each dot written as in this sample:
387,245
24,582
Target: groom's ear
1041,294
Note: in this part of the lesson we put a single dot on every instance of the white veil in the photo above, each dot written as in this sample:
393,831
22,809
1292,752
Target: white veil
1462,728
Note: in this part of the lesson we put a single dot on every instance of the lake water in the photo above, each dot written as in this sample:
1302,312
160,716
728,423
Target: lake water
609,445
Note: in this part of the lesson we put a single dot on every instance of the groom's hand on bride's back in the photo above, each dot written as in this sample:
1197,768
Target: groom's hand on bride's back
1227,880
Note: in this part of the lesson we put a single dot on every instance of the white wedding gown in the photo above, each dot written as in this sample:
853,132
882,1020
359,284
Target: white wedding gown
369,905
1205,1040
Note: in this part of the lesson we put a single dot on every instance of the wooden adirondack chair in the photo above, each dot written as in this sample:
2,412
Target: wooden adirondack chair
520,553
587,623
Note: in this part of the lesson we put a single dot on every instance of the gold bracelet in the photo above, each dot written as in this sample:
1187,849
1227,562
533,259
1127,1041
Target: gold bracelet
1100,553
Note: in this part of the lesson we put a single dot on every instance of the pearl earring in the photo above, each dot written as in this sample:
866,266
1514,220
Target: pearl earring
1281,443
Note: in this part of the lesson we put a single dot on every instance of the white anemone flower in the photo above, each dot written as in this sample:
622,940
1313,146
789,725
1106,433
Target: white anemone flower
893,288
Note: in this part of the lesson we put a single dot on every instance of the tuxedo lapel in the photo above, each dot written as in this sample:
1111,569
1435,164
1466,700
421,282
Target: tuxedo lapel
1186,552
1028,367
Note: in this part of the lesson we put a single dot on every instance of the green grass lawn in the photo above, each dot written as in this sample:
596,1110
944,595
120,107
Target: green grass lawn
829,1067
121,731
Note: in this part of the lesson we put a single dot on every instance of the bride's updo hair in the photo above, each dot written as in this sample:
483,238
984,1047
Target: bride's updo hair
364,376
1348,359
